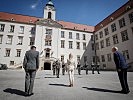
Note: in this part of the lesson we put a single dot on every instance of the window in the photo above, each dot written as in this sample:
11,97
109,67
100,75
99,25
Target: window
62,43
92,37
78,58
115,39
113,27
47,42
1,37
78,45
70,35
12,28
85,58
84,46
101,34
11,63
92,46
106,31
102,44
62,57
103,58
84,37
2,26
33,29
131,17
109,57
126,54
124,35
108,42
20,40
21,29
122,22
9,39
49,31
8,52
70,44
97,46
18,52
49,15
32,39
77,36
96,37
62,34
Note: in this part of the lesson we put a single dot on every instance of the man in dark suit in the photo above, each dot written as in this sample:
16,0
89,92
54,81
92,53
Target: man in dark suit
58,65
31,65
121,67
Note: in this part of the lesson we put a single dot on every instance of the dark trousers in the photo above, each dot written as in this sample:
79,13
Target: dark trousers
63,71
57,72
29,81
53,71
123,79
79,71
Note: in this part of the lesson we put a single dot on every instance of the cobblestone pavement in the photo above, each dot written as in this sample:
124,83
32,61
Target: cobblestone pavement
104,86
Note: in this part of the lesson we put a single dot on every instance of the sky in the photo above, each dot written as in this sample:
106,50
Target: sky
89,12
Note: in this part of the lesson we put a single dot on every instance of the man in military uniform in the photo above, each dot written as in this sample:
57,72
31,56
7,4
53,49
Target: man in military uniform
86,67
98,67
54,67
79,68
63,68
58,68
92,67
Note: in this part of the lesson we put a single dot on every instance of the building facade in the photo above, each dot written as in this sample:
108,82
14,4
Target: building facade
115,30
53,39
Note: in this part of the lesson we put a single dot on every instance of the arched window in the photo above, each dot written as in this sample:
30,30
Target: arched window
49,15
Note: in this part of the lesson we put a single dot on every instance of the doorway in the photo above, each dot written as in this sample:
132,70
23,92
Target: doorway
47,66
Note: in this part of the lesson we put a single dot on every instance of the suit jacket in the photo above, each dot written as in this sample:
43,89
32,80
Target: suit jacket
31,60
120,61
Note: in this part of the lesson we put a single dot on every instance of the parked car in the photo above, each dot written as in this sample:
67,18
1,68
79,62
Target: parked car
3,67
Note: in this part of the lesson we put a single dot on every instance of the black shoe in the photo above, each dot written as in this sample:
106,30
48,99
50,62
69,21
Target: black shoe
124,92
31,94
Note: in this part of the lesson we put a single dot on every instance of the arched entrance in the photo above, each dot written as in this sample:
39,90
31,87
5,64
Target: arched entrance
47,66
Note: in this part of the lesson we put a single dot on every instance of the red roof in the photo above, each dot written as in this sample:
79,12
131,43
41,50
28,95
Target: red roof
17,18
74,26
29,19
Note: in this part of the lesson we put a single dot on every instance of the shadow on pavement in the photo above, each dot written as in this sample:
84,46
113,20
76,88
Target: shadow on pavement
60,85
102,90
14,91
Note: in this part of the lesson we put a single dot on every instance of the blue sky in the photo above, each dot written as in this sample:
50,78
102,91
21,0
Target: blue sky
89,12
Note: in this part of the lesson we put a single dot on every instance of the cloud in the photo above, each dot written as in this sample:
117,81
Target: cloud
33,6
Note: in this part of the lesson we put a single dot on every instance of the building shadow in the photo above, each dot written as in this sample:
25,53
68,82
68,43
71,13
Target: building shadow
102,90
50,77
60,85
14,91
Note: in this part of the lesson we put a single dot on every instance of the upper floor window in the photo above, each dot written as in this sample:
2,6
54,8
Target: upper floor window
12,28
92,46
97,46
115,39
84,46
70,35
62,43
108,42
7,52
131,17
9,39
49,31
84,37
126,54
18,52
77,36
70,44
122,22
20,40
78,45
92,37
101,34
103,58
21,29
96,37
124,35
1,38
106,31
32,40
62,34
2,26
33,29
47,42
102,44
113,27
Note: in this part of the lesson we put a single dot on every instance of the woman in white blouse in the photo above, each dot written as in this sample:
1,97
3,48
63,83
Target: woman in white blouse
71,65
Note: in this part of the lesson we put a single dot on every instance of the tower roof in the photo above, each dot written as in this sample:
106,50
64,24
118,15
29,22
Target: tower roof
50,3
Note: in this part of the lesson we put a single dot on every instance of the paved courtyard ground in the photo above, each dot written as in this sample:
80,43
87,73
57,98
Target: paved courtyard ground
104,86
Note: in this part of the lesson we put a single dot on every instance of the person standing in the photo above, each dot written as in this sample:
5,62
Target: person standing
79,68
54,67
86,67
92,67
98,67
58,68
71,66
63,68
30,65
121,67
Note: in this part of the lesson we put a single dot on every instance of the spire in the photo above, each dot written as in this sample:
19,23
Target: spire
50,3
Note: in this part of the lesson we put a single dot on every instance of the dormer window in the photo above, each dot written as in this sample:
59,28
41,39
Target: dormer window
128,7
101,25
12,19
111,18
49,15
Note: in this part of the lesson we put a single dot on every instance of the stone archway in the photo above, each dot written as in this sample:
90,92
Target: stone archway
47,66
